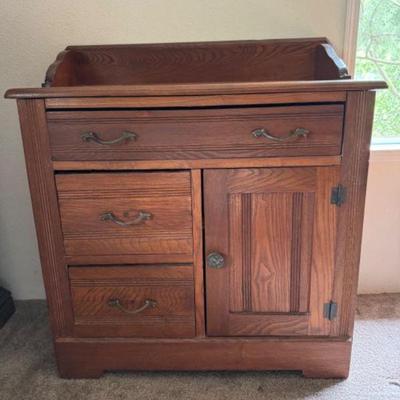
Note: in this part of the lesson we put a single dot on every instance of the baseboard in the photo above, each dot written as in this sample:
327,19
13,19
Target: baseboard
84,358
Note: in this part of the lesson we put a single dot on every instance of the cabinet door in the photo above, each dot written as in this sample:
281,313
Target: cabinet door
275,229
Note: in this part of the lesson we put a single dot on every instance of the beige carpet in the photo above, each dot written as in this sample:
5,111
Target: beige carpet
27,369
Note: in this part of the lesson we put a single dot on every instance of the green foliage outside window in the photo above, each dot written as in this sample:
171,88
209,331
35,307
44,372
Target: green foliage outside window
378,57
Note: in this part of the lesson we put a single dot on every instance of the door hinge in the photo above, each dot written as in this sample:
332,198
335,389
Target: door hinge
338,195
330,310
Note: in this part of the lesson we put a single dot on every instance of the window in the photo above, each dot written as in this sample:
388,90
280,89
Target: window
378,57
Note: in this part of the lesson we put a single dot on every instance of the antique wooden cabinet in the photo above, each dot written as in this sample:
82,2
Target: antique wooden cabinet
199,206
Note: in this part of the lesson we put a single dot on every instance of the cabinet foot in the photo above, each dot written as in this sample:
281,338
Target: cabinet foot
81,372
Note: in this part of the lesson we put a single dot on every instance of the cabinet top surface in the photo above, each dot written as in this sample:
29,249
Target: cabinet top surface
236,67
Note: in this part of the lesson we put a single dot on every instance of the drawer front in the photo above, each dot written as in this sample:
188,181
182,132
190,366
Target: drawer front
196,134
132,215
133,301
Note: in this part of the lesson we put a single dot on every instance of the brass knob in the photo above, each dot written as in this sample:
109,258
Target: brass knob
215,260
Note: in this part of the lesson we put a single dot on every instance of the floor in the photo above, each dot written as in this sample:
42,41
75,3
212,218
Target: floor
27,369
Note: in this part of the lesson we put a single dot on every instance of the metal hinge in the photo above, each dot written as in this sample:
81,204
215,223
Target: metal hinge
330,310
338,195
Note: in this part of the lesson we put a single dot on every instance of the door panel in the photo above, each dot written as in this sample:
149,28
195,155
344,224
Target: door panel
276,230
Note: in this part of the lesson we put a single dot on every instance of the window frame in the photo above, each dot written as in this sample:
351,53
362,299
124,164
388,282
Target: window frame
349,57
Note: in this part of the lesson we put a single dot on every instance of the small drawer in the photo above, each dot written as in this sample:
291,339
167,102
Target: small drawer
133,301
136,217
196,133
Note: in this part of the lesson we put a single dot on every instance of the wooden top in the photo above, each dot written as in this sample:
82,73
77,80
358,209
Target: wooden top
236,67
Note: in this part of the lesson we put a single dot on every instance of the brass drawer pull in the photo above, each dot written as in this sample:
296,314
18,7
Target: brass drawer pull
142,216
148,303
293,134
92,136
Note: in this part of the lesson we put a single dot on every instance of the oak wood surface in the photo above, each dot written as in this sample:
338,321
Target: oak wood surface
148,183
198,264
202,62
134,258
353,175
90,358
165,197
266,206
196,133
170,287
264,222
262,66
193,101
45,210
197,89
196,164
323,250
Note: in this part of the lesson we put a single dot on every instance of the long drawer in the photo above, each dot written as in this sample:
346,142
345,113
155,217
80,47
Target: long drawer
133,301
196,133
126,217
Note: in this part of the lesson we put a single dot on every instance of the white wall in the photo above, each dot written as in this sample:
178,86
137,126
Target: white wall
33,32
380,255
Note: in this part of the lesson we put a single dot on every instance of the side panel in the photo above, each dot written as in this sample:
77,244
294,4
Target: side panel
353,175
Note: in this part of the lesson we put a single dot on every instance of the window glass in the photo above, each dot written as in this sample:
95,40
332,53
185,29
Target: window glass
378,57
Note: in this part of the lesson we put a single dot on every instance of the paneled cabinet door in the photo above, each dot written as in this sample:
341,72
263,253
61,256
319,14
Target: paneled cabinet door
270,250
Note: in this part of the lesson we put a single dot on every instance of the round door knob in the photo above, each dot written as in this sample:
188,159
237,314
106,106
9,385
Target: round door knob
215,260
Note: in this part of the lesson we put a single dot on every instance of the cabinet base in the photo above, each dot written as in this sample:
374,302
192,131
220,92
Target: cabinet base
90,358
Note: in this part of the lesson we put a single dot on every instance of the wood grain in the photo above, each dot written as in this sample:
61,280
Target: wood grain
294,225
196,164
261,60
84,198
316,358
196,133
262,66
137,258
272,226
140,273
196,89
270,180
193,101
143,183
323,250
198,265
353,175
303,214
266,205
270,250
45,211
170,287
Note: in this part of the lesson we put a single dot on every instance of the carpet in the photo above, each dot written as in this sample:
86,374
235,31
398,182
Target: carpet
28,371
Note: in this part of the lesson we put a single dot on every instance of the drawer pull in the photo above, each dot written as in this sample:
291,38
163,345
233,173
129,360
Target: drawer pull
148,303
215,260
92,136
293,134
142,216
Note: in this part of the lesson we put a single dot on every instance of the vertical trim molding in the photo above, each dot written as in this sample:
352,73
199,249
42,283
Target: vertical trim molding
196,182
246,243
35,138
353,175
295,261
350,35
